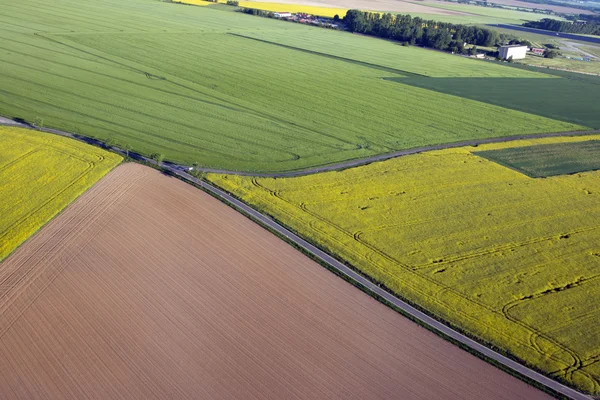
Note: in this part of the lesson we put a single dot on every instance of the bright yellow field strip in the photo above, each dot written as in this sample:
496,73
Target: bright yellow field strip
280,7
512,260
40,174
295,8
197,2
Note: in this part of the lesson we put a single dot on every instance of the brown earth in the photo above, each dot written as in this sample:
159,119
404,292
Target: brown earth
517,3
148,288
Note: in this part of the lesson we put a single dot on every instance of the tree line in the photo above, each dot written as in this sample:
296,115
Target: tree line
417,31
257,12
549,24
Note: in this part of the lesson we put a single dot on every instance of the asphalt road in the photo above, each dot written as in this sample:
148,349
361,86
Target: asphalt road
400,153
343,269
370,286
549,33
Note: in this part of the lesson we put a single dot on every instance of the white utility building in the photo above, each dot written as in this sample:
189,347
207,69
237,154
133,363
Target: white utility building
516,51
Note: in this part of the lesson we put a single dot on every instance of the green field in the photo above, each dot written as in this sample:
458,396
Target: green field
595,50
175,81
407,60
549,159
589,67
574,97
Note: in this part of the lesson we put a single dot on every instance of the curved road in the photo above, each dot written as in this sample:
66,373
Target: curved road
399,153
345,270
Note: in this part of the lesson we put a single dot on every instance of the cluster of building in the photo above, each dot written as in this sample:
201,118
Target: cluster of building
517,51
512,52
306,19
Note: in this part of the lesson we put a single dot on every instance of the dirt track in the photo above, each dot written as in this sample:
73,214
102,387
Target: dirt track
148,288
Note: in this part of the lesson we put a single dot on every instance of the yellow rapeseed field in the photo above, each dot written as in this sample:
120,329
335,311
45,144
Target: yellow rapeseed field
295,8
40,174
512,260
279,7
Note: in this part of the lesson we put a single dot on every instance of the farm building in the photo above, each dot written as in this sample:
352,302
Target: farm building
538,52
282,15
515,51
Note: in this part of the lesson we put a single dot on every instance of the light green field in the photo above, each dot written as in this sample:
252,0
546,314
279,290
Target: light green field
173,80
591,67
595,50
409,60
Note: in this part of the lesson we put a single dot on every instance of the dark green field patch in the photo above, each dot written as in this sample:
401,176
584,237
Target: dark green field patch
548,159
571,98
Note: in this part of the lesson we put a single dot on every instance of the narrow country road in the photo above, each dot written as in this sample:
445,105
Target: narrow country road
400,153
313,170
352,275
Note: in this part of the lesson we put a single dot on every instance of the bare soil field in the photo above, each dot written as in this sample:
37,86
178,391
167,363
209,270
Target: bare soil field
397,6
516,3
148,288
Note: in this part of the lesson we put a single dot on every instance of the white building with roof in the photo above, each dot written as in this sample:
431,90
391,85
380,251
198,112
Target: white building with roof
516,51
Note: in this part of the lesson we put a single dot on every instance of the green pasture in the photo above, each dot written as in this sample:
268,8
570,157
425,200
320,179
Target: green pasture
589,67
595,50
176,80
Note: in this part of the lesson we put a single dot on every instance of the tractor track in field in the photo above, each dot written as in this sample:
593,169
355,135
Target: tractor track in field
386,156
334,264
307,171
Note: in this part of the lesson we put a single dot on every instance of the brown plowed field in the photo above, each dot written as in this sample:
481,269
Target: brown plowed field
518,3
148,288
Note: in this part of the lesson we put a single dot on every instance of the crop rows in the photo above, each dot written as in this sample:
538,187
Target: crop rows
510,259
40,174
176,82
150,287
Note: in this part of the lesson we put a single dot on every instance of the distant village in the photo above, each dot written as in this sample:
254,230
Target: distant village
309,19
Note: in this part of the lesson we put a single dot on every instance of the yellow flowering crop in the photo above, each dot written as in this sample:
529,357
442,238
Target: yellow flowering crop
295,8
512,260
280,7
40,174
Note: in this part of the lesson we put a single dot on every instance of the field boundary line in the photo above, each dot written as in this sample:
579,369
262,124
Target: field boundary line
346,272
379,293
6,121
391,70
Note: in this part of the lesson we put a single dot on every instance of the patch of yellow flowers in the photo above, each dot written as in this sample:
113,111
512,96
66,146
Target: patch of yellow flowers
513,261
280,7
40,174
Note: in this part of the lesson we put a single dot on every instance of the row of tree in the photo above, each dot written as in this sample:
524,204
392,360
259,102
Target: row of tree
417,31
549,24
260,13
